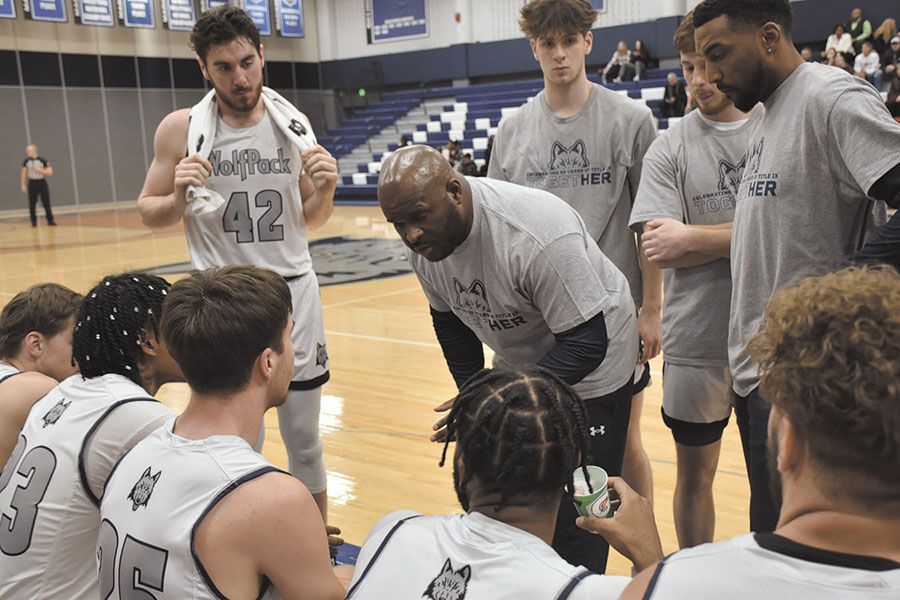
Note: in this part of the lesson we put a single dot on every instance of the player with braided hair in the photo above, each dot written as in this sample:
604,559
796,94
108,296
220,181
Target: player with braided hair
520,432
51,487
35,353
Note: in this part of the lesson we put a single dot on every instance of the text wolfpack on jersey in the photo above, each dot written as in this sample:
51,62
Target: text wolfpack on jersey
248,162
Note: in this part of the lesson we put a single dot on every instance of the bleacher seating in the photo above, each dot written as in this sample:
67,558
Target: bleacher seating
469,115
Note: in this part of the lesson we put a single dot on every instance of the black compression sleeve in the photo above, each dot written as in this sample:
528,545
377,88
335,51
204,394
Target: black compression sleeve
462,348
884,247
578,351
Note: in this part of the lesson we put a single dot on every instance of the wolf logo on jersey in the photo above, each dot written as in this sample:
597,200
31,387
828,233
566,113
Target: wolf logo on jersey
449,584
566,158
140,493
474,298
755,157
730,175
321,355
56,412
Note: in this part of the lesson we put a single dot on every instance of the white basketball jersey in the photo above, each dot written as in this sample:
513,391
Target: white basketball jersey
256,170
407,555
6,371
153,502
50,515
756,566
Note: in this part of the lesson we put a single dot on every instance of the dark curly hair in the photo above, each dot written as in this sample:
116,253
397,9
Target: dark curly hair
746,13
221,25
541,17
520,432
829,356
108,337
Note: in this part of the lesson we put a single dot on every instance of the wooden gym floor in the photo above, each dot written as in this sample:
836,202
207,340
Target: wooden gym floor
387,371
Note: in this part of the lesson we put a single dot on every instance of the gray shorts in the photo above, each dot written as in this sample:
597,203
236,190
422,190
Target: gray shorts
308,335
697,394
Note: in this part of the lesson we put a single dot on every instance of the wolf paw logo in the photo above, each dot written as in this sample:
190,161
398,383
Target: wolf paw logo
449,584
473,299
568,158
140,493
321,355
56,412
755,157
730,175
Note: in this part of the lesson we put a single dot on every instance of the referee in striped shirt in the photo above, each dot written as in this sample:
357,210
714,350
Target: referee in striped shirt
35,171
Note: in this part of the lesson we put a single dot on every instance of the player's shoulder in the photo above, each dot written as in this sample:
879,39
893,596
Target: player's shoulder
23,390
175,124
607,99
823,84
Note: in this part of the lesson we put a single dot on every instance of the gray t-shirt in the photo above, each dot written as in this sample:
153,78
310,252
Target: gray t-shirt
529,270
691,174
802,208
592,160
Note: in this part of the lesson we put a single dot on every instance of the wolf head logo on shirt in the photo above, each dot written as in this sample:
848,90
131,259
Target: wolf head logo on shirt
755,157
730,175
56,412
449,584
566,158
473,298
140,493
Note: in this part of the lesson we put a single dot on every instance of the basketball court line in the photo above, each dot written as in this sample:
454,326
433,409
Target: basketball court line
373,297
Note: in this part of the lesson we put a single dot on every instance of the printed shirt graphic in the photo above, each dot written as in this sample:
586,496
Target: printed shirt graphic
460,557
527,270
592,160
256,170
691,174
802,208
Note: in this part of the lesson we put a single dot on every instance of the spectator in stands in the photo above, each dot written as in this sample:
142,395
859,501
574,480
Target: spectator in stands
830,56
893,99
468,166
868,65
860,29
641,59
881,39
807,54
840,41
619,67
890,61
487,157
675,98
404,141
453,153
841,63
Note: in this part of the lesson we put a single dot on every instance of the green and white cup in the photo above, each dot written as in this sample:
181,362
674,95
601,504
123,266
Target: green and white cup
589,504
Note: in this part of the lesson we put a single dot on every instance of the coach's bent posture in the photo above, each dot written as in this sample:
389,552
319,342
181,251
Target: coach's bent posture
520,435
515,268
193,508
830,360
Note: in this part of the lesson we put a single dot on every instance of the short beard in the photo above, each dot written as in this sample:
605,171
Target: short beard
240,107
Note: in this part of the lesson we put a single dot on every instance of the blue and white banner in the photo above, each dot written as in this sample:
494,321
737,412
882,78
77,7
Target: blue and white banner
259,12
7,9
178,14
599,5
136,13
45,10
205,5
391,20
289,17
93,12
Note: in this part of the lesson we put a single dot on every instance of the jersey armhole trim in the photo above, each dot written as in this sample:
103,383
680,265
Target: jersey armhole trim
573,583
5,377
650,586
224,492
375,556
82,472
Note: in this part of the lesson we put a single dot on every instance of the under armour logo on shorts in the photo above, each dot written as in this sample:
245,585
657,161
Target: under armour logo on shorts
594,431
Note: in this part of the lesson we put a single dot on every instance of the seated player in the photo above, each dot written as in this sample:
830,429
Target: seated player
520,433
36,346
51,487
829,354
231,525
